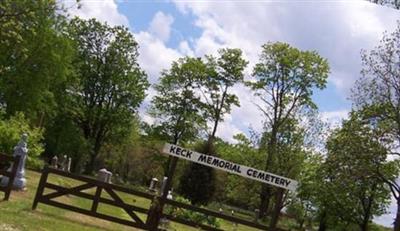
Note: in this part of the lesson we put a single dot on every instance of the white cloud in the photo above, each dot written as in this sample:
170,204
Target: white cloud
104,11
154,55
334,118
160,26
227,129
337,30
185,49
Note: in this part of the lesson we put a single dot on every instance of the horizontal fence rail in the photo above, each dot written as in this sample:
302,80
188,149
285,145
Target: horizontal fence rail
7,160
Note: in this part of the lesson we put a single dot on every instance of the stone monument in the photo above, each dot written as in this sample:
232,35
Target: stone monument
22,151
104,175
54,162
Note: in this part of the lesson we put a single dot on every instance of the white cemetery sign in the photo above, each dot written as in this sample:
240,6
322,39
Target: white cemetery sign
230,167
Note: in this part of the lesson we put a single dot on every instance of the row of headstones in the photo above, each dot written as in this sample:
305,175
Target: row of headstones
153,186
64,164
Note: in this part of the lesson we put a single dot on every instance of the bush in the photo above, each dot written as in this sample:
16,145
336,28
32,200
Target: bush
10,133
190,215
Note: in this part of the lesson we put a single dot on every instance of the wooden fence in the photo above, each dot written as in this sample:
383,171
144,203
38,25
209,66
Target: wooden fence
117,201
96,199
5,162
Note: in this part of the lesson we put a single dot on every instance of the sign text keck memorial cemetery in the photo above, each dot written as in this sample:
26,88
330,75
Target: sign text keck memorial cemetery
230,167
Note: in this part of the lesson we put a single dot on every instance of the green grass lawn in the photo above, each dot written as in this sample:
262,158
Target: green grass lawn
16,214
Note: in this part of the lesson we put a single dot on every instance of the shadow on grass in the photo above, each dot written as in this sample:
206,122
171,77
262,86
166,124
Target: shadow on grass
75,221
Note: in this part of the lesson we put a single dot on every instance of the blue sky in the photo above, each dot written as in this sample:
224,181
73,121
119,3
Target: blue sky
337,30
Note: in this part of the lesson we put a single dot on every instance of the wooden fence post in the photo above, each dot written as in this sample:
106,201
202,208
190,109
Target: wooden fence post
96,199
40,189
12,177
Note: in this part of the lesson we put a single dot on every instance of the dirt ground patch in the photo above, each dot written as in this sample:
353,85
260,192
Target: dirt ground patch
7,227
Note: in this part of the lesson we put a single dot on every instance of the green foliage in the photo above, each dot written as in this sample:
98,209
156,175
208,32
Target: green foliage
222,73
226,70
10,134
136,159
198,181
109,84
35,57
289,75
377,95
190,215
177,106
64,137
237,189
353,192
285,80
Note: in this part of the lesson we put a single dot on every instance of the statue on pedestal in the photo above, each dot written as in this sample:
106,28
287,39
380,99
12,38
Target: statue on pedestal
19,150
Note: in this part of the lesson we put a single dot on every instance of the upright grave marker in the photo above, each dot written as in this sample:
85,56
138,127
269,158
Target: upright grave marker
20,150
228,166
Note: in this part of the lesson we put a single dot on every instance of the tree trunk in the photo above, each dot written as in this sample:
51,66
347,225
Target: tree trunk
397,219
277,209
322,222
265,197
266,191
364,225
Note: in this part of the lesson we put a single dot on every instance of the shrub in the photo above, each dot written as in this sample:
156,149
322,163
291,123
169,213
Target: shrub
190,215
11,130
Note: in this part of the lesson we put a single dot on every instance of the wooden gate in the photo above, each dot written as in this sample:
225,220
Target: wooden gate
114,199
96,199
5,162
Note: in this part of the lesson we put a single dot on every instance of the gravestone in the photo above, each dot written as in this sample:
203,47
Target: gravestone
163,185
153,185
63,163
69,164
54,162
104,175
22,151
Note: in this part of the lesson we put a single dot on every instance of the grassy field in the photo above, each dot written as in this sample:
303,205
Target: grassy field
17,215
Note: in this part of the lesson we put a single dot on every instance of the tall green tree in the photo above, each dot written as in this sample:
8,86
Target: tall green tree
35,57
377,94
356,192
177,109
110,84
177,106
226,70
285,80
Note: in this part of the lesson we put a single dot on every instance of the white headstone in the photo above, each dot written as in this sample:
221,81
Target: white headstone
54,162
104,175
69,164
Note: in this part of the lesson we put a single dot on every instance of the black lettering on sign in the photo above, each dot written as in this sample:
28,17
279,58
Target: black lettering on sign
189,154
249,172
172,149
261,175
202,158
272,178
237,168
